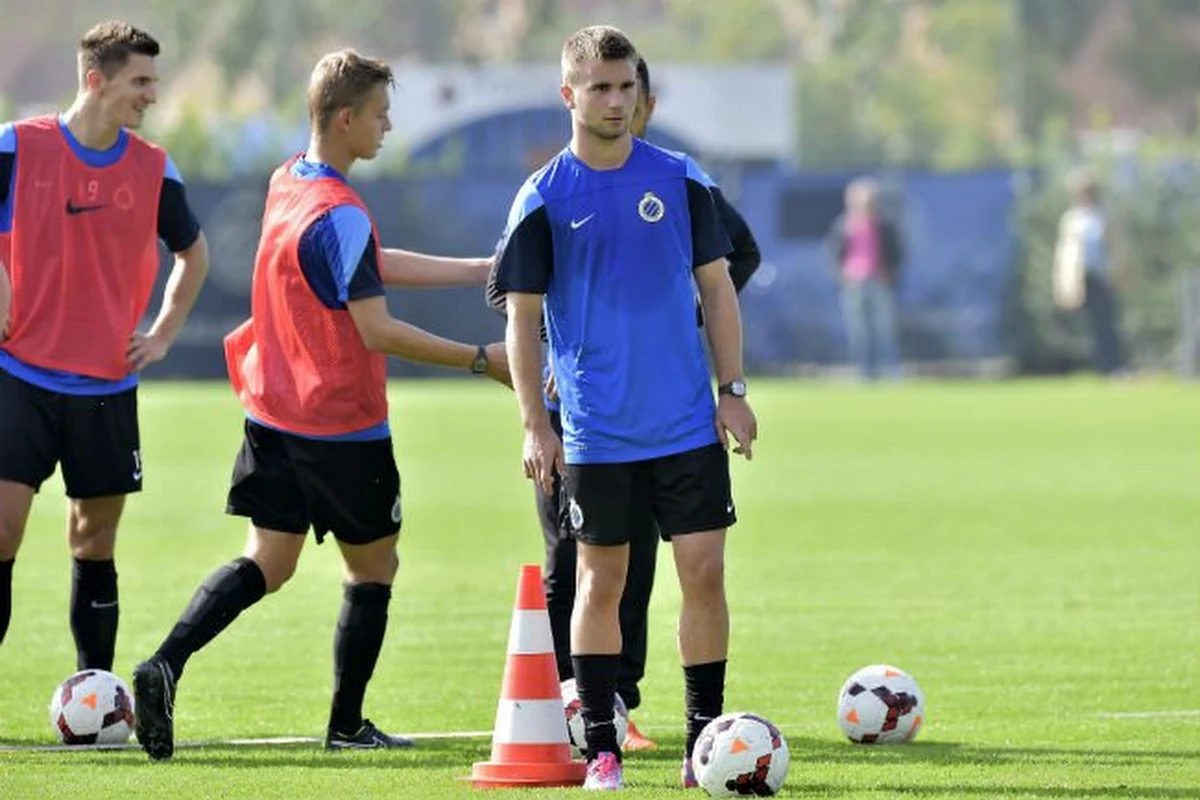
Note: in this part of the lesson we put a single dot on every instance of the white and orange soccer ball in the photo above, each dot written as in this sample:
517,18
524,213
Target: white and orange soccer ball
92,707
740,754
881,704
574,711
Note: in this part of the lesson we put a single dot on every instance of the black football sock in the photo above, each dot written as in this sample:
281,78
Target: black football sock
704,697
356,645
596,681
6,572
226,593
94,613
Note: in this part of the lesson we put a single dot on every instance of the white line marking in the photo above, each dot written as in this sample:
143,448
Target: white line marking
270,741
1191,712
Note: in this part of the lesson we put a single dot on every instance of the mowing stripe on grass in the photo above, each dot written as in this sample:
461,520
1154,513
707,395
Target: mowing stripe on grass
1191,712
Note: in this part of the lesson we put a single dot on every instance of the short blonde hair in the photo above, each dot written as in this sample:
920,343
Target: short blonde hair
343,80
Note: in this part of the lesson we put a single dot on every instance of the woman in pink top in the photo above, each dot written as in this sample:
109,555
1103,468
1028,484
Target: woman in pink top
868,253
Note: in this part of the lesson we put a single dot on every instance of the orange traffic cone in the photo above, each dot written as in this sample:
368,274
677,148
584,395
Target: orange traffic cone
529,742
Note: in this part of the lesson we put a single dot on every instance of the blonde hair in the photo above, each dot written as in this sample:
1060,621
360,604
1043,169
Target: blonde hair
343,80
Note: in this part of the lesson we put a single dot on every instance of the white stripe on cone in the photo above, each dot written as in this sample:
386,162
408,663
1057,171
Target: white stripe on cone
529,633
530,722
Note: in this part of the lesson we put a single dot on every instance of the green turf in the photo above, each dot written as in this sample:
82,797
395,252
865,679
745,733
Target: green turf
1030,551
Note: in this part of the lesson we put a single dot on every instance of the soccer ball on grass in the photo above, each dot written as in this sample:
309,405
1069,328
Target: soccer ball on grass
740,754
880,704
92,707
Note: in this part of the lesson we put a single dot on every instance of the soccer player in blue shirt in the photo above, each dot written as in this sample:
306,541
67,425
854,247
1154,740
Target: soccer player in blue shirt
614,237
559,578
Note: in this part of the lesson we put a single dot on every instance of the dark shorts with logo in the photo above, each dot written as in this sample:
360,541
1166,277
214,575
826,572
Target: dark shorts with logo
94,438
688,492
290,483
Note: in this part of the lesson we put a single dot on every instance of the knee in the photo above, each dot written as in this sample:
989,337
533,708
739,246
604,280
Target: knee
277,568
380,570
601,587
92,537
11,533
704,576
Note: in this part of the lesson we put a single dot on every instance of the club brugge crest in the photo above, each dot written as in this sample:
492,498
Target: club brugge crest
651,207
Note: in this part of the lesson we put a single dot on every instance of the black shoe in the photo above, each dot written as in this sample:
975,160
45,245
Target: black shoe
368,737
154,707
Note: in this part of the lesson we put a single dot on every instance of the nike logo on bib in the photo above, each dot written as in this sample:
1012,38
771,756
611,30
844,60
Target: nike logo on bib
74,210
576,224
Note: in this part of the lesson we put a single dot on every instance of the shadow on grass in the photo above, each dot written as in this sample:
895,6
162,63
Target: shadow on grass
834,751
812,751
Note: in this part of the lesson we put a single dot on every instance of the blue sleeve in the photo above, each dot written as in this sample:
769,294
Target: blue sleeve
171,173
8,172
338,259
525,258
697,174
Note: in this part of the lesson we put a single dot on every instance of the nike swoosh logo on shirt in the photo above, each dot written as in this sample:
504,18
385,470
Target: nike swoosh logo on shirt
73,209
576,224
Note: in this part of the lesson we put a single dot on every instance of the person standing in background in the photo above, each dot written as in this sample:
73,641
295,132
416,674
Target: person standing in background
868,252
1087,272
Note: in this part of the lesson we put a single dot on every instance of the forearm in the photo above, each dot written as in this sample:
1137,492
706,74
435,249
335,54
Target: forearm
525,363
405,268
402,340
723,324
5,296
183,287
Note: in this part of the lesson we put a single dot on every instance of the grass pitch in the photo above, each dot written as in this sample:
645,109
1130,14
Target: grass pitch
1029,551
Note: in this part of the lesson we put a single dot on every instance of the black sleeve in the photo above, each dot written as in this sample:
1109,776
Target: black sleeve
709,239
495,298
745,258
525,260
6,171
177,225
366,281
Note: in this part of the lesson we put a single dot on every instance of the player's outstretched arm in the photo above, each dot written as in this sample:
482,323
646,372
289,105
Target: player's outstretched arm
383,333
723,324
183,287
406,269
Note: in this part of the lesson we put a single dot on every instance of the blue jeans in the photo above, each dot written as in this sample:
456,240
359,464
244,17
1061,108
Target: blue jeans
869,312
1104,319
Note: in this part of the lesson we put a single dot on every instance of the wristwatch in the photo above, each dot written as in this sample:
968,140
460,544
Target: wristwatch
480,364
735,388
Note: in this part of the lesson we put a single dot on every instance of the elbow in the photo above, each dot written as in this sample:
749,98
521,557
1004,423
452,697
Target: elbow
372,338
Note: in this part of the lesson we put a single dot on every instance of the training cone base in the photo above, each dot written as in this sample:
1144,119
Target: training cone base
529,742
490,775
